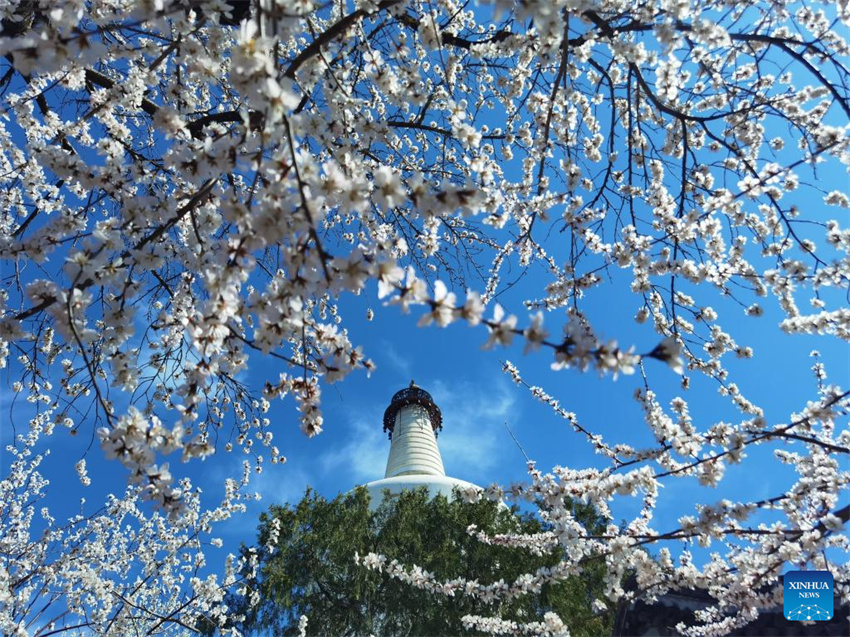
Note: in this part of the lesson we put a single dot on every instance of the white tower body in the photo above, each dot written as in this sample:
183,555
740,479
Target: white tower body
412,420
414,448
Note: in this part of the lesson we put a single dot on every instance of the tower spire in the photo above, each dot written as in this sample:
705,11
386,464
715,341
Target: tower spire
412,421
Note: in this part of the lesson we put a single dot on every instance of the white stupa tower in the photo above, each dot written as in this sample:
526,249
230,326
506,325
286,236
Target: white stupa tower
412,421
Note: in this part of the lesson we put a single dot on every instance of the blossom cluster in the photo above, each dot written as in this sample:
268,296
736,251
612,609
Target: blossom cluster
117,569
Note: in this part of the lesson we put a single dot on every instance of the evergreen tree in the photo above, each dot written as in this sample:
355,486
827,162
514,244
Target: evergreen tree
310,568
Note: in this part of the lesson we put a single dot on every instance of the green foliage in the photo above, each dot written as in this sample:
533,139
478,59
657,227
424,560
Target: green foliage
312,570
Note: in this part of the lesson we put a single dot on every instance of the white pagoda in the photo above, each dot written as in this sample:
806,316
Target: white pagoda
412,421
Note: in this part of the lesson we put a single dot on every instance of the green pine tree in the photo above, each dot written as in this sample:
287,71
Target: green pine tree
312,570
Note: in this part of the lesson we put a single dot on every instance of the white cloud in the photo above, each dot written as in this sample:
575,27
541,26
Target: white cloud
364,454
284,484
279,484
474,438
396,361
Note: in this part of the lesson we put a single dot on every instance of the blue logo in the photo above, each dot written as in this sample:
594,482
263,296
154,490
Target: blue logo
808,596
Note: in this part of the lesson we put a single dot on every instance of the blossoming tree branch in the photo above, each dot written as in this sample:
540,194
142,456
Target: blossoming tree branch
190,185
